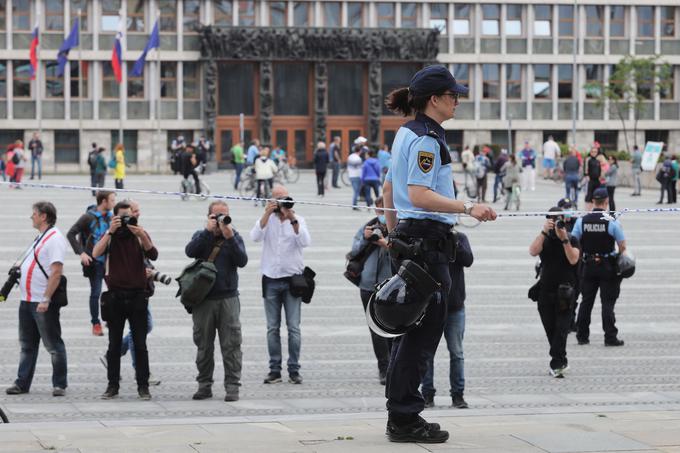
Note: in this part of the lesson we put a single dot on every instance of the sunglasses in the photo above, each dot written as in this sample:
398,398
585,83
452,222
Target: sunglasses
455,96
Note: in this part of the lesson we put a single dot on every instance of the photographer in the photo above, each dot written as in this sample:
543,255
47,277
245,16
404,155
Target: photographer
82,236
559,252
284,235
221,309
41,272
370,242
126,245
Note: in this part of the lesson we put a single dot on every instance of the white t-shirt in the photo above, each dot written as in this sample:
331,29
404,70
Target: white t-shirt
265,169
354,163
51,249
550,150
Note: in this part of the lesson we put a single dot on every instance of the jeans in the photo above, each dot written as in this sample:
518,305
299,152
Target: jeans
95,290
368,185
33,327
356,189
497,184
637,182
36,161
131,306
481,190
128,342
277,295
238,169
264,188
381,346
571,181
221,316
335,168
454,331
320,176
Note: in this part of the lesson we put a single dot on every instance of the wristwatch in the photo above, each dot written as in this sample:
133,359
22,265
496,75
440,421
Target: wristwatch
566,241
467,206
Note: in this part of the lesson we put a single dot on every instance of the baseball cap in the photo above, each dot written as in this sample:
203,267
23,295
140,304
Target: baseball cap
360,140
434,79
565,203
600,193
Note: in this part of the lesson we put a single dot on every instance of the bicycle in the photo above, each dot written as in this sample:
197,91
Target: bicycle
3,416
344,176
288,172
187,187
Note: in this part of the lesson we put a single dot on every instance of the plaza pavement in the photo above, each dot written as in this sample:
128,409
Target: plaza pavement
609,393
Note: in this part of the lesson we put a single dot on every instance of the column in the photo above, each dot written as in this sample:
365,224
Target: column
320,101
374,102
266,101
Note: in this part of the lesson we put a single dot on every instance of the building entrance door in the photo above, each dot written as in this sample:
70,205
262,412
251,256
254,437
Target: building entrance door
228,133
348,129
294,135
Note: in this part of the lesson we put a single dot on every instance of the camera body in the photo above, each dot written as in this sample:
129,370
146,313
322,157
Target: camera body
378,231
285,203
162,278
128,220
224,219
559,221
13,279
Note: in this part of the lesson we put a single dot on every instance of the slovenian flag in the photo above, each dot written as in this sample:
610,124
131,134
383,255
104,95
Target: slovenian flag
117,58
153,43
34,52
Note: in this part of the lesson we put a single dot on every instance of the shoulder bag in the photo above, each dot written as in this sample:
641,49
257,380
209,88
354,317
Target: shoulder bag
197,279
60,296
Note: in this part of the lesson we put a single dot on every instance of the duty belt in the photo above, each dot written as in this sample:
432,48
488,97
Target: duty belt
407,247
596,258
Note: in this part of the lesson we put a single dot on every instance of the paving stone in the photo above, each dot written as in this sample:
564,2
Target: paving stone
560,442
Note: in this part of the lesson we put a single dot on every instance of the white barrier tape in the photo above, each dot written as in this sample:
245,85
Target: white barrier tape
609,216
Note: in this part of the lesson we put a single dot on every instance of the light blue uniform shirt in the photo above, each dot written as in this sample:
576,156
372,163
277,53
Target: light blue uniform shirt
416,161
613,229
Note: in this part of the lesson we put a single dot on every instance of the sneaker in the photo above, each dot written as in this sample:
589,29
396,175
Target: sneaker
556,373
153,380
58,391
97,330
429,401
295,378
143,393
583,342
202,394
382,376
110,393
458,401
272,378
231,396
614,342
417,432
15,390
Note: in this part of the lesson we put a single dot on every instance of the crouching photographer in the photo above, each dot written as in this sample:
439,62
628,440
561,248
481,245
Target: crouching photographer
369,264
127,246
555,294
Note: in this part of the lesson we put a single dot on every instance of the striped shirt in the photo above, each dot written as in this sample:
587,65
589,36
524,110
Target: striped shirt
50,248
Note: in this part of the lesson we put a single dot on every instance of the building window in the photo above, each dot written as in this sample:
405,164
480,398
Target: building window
608,140
566,20
667,93
668,21
594,79
22,79
129,144
135,16
393,76
513,77
192,15
439,16
461,72
169,80
409,15
278,14
301,14
461,20
491,77
355,15
168,10
542,81
490,18
224,13
564,81
135,87
332,16
83,6
3,79
542,20
54,86
594,21
54,15
3,16
513,21
235,102
110,15
645,20
345,89
75,78
191,83
386,14
246,13
291,89
110,86
617,21
66,147
21,15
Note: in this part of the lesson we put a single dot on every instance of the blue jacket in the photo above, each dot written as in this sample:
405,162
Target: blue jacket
371,171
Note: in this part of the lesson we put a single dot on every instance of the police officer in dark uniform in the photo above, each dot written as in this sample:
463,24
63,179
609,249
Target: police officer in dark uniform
419,185
598,236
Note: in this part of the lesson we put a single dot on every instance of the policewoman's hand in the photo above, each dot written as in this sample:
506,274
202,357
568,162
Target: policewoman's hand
483,213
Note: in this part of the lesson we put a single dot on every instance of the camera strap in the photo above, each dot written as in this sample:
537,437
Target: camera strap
215,250
35,254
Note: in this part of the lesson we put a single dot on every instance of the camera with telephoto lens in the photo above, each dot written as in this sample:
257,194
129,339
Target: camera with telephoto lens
13,279
285,203
127,220
377,232
162,278
221,218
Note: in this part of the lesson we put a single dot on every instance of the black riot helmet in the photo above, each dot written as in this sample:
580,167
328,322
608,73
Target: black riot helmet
625,265
399,304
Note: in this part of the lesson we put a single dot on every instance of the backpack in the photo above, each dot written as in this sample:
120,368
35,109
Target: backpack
15,158
197,279
92,160
112,162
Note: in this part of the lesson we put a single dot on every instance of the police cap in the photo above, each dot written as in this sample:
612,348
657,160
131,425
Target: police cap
600,193
434,79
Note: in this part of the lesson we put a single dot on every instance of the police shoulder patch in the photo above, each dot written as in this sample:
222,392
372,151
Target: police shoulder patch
425,161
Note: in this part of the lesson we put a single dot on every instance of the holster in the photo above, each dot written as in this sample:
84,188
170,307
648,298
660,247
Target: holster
416,249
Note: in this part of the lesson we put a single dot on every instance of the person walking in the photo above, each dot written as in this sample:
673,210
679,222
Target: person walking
385,159
636,163
36,147
511,182
99,168
593,172
370,177
467,158
551,150
239,160
611,180
320,167
572,175
665,178
119,171
498,172
354,164
528,159
265,169
19,159
335,156
675,175
253,152
482,167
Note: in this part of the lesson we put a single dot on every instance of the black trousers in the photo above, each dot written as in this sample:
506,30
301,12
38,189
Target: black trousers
410,352
598,276
556,320
610,192
320,176
381,346
197,182
130,306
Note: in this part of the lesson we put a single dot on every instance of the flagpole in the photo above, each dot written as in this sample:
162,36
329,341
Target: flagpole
38,105
80,84
120,85
158,97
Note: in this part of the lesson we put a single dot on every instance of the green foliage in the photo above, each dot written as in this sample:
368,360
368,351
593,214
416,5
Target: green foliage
564,149
620,155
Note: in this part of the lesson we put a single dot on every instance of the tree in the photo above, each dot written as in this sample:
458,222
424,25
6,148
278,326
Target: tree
630,87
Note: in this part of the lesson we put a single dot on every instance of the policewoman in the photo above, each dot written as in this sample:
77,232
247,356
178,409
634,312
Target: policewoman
598,236
419,185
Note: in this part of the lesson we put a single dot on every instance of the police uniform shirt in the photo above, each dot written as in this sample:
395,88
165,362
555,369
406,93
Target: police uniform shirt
592,229
420,157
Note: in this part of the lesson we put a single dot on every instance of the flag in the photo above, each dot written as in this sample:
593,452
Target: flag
34,52
153,43
70,42
116,58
